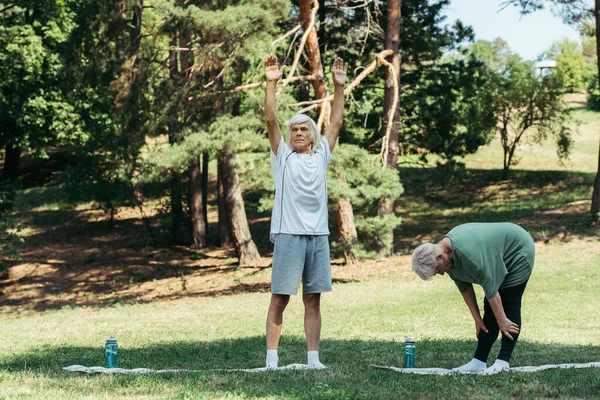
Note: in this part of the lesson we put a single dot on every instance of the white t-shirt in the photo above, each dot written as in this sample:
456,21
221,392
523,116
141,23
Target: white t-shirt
300,206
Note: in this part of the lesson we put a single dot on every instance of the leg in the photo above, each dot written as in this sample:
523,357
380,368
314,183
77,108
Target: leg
274,324
312,320
312,328
288,263
511,301
486,340
316,280
275,319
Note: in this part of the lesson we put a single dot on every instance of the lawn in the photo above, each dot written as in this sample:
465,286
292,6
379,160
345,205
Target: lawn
82,280
364,324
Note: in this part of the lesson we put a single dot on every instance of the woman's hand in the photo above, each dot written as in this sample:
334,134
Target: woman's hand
507,327
479,326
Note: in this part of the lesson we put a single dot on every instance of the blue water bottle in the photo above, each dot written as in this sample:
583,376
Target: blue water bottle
409,352
111,349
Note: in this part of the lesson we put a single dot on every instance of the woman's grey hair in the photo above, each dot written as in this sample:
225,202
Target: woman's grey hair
314,131
424,263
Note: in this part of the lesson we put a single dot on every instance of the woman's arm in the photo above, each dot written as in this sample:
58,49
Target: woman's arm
471,302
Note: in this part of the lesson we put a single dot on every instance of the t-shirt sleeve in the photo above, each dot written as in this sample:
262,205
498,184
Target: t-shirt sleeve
462,286
491,275
324,151
282,152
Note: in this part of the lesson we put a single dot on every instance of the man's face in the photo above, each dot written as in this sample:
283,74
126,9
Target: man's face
444,264
300,138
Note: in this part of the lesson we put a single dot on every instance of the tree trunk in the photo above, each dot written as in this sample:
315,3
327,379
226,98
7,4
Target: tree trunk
204,188
392,42
596,192
236,214
347,229
196,211
176,195
314,57
194,170
12,157
224,234
345,213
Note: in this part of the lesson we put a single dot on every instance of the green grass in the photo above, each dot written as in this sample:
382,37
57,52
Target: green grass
363,324
584,153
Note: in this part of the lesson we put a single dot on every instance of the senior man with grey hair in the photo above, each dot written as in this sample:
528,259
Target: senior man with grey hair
500,258
299,224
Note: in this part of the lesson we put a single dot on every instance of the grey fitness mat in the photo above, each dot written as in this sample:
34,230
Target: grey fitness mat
443,371
102,370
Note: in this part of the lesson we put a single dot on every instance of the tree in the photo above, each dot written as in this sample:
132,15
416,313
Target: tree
345,213
366,183
391,112
523,103
217,44
34,107
571,64
573,12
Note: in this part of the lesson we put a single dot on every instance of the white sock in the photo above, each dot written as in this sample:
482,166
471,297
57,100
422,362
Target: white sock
474,365
272,359
313,360
498,366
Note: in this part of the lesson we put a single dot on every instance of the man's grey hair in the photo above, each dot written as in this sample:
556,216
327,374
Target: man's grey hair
314,131
424,263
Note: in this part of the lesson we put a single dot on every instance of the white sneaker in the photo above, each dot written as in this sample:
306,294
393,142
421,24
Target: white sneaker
474,366
497,367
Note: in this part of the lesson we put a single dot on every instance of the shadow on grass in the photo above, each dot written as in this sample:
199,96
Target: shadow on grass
349,374
540,201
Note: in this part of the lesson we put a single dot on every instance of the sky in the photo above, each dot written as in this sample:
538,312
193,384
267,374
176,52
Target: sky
527,36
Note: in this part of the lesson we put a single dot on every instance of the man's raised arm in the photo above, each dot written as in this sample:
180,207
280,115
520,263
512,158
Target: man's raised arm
273,73
337,109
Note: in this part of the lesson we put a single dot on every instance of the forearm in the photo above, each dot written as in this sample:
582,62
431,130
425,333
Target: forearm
337,108
337,116
497,308
271,116
270,104
471,302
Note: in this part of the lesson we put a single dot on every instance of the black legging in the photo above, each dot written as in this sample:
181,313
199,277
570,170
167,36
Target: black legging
511,302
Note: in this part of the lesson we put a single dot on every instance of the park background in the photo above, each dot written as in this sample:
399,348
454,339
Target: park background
136,193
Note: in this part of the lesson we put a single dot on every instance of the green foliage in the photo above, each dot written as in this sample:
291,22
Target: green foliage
450,110
593,93
364,183
444,106
35,110
571,64
525,104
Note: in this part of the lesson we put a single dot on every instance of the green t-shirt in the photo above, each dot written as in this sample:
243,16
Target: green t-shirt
493,255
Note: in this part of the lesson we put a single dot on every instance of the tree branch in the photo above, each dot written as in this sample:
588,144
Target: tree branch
288,33
250,86
8,7
380,56
391,112
311,25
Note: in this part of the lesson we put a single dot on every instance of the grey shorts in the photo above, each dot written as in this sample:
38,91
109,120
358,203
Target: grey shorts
301,258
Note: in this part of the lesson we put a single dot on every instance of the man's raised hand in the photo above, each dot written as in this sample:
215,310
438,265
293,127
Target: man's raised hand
339,71
272,71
